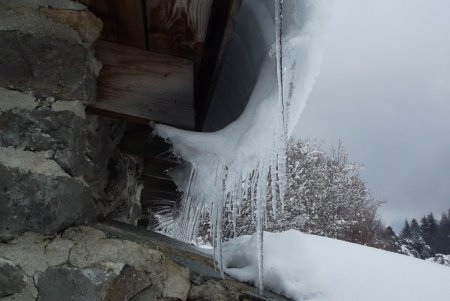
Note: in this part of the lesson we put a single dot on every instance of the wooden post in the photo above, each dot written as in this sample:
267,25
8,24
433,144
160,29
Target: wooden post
220,28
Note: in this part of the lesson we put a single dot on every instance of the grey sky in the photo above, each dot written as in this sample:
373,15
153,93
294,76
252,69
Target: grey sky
384,90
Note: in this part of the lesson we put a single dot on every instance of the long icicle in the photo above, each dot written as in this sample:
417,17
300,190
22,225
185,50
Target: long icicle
279,56
261,199
281,168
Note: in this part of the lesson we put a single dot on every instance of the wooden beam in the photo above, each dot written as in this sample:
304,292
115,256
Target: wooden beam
123,21
145,86
178,27
221,25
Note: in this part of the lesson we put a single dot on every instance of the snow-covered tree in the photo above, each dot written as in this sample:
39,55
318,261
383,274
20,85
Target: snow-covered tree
325,196
412,241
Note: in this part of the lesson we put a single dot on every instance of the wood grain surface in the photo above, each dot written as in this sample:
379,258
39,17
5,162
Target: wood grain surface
145,85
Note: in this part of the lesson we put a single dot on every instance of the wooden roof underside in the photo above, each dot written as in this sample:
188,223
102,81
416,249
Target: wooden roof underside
161,58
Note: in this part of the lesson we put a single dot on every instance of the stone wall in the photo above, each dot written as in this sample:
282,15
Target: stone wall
61,168
112,262
55,162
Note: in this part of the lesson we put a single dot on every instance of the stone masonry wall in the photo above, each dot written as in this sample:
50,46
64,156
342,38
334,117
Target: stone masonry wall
112,262
54,160
60,168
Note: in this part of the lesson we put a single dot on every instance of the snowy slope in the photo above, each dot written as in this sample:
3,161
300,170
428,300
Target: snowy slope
308,267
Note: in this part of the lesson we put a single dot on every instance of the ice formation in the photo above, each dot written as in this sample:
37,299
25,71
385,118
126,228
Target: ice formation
250,152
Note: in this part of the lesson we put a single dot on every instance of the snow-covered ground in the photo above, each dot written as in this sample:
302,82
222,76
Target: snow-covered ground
308,267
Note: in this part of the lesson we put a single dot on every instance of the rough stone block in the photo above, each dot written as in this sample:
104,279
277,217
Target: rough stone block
36,4
122,196
111,262
66,283
83,22
37,195
57,128
82,145
11,278
46,66
129,283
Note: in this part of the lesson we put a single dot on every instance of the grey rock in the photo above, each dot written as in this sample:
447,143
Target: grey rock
71,284
61,4
103,136
83,22
46,66
114,177
11,278
129,283
114,261
122,199
81,145
39,199
30,19
151,293
62,132
210,290
177,283
27,251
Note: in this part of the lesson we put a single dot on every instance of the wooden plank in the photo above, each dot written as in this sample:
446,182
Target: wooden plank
145,85
220,28
123,21
178,27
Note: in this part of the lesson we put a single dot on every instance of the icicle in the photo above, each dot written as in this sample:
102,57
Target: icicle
282,181
279,57
281,165
217,235
188,217
234,163
235,201
253,193
261,199
273,184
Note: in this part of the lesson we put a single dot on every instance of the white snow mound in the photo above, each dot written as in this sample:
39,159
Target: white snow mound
308,267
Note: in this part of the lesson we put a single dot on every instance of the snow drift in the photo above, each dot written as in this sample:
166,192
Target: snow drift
314,268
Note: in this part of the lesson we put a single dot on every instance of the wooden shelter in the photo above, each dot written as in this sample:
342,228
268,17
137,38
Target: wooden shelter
161,61
161,58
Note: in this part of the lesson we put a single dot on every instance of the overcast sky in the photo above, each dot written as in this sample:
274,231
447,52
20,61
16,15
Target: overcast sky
384,90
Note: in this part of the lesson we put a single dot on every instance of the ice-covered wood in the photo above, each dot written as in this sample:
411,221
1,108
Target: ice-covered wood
144,86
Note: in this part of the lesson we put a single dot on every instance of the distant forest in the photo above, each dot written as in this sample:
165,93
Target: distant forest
426,238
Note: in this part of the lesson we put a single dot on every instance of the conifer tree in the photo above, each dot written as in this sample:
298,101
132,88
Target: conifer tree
413,243
406,231
443,240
